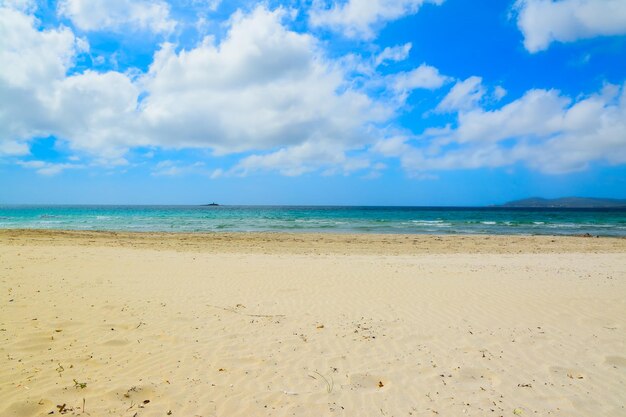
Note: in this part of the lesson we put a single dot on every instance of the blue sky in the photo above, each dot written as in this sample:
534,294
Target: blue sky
365,102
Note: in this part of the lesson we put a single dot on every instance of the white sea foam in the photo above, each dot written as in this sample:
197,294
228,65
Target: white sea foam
427,221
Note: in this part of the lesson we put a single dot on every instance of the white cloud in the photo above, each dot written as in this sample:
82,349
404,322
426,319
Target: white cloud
32,61
394,88
170,168
499,92
394,54
392,147
464,95
96,113
361,18
212,5
263,88
26,6
423,76
34,56
543,129
217,173
92,111
95,15
545,21
49,168
273,93
13,148
538,112
303,158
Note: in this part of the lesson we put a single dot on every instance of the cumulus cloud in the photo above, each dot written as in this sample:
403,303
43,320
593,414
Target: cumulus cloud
96,113
424,76
274,94
393,87
32,62
537,113
263,88
464,95
545,21
92,111
394,54
543,129
95,15
21,5
499,92
361,18
212,5
300,159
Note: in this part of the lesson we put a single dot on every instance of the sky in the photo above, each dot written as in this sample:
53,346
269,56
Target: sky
329,102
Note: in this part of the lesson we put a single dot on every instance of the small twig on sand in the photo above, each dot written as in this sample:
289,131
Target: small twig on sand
232,310
329,384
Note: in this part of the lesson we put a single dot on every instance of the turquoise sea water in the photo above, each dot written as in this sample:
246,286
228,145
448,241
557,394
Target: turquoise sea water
425,220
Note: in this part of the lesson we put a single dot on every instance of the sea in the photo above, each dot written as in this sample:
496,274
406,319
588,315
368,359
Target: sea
335,219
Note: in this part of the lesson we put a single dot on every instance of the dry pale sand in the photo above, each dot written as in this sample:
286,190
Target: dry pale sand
107,324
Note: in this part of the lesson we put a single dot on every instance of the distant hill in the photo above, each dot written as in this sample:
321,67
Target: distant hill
566,202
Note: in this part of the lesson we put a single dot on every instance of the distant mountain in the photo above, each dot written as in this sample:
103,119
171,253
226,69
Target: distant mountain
566,202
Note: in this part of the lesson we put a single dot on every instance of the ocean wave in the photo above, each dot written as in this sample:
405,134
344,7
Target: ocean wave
563,226
428,223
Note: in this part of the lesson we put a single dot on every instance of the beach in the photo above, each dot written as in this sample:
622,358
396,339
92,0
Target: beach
281,324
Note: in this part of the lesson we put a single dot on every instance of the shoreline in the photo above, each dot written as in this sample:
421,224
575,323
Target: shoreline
319,243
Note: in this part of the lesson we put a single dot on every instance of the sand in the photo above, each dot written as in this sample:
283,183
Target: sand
106,324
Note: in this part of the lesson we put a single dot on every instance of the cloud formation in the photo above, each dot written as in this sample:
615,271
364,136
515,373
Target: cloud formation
32,62
49,168
464,95
275,95
423,76
300,159
97,15
26,6
545,21
543,129
361,18
262,88
393,54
